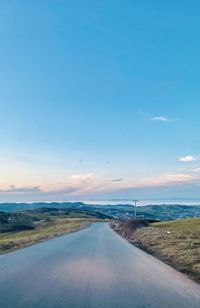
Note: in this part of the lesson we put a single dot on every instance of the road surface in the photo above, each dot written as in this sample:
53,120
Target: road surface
91,268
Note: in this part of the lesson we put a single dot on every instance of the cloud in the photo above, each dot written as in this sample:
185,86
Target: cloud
82,186
197,170
83,177
163,119
188,158
21,190
176,188
160,119
37,190
162,180
117,180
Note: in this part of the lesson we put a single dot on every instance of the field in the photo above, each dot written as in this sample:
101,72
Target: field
23,229
177,243
180,244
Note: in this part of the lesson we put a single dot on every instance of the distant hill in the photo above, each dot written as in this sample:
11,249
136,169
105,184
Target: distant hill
169,212
12,207
120,211
32,218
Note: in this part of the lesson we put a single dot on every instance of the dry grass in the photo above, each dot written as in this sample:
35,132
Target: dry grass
176,243
180,244
10,241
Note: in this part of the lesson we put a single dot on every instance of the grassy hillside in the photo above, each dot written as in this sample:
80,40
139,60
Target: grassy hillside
175,242
169,212
25,228
180,244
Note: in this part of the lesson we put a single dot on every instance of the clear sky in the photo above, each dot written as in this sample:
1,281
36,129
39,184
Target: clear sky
99,99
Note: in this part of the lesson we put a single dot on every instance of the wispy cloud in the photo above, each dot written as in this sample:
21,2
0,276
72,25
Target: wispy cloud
79,186
162,118
82,177
117,180
20,190
188,158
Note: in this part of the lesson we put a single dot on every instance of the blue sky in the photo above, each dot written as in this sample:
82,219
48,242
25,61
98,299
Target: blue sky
99,99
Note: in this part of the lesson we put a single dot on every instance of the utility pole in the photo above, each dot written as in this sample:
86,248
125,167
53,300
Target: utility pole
135,206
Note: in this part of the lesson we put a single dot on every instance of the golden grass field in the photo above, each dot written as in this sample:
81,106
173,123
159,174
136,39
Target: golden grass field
180,244
177,243
10,241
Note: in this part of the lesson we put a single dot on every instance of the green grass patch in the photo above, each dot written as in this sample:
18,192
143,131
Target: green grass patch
191,225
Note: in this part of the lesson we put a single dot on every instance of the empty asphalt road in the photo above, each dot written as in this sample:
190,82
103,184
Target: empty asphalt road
91,268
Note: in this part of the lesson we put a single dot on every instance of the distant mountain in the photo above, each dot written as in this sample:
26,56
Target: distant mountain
120,211
12,207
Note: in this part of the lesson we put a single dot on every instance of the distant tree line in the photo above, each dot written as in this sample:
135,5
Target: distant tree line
15,221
